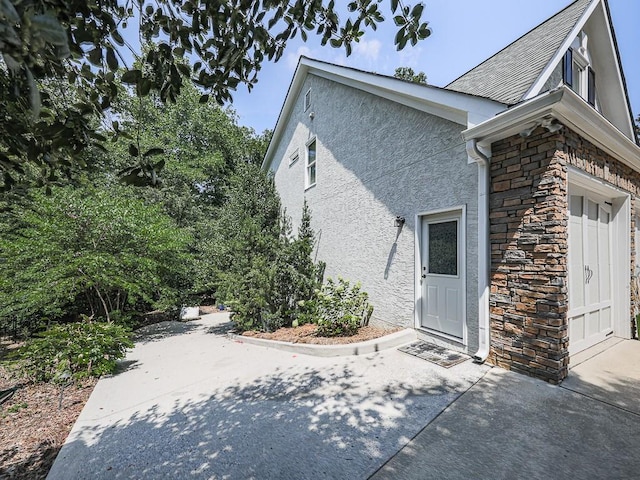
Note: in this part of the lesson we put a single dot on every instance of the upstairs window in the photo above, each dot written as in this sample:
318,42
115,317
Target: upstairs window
310,180
567,71
577,72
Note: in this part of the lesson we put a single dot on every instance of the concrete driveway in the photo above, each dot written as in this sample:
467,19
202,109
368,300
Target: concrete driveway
191,403
510,426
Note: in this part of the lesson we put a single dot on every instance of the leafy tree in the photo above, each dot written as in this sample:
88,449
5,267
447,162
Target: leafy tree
81,41
241,247
201,144
99,252
252,261
407,73
295,276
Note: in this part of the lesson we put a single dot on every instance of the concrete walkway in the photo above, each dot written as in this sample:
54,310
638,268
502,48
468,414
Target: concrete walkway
510,426
191,403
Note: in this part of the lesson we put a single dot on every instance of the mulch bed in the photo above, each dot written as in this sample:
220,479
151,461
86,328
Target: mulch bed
308,334
33,428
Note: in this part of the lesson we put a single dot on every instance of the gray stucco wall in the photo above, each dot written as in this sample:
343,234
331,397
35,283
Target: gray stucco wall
554,80
377,159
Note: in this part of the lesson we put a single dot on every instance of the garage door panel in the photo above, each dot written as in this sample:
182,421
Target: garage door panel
590,268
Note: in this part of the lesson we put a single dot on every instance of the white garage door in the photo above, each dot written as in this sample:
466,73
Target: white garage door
590,269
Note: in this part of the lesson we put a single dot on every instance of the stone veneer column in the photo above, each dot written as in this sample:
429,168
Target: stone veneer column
528,221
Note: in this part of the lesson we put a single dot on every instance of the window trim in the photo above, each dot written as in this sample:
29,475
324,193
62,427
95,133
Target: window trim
307,176
307,99
578,75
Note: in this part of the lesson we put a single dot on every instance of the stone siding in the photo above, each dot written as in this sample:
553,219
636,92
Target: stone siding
529,223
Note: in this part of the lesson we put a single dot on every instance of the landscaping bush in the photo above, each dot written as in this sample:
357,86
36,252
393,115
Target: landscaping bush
341,309
74,351
93,251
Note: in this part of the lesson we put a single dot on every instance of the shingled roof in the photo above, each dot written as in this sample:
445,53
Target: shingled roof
507,76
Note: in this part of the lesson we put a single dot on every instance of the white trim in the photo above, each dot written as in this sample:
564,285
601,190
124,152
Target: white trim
571,110
582,179
534,90
458,213
307,184
538,85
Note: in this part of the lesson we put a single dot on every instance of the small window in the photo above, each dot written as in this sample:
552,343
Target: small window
311,164
578,74
307,100
568,68
294,158
443,248
591,92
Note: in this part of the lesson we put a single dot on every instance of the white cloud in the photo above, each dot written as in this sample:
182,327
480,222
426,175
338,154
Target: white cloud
368,49
411,57
292,58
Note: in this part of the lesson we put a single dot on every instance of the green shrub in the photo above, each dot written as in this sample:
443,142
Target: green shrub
75,351
341,309
94,251
257,267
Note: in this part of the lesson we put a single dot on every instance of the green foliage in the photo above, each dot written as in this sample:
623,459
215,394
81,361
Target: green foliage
201,145
75,351
341,309
239,250
79,42
251,260
295,276
17,407
407,73
94,251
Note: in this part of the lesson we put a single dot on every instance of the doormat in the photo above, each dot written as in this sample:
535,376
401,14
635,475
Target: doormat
434,354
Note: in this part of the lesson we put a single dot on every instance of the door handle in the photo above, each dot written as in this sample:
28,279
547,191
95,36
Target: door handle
424,275
588,274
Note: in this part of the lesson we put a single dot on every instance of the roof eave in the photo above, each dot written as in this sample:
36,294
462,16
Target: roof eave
294,87
564,105
461,108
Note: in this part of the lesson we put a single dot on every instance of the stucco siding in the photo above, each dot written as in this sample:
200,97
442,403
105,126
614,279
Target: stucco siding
375,160
554,80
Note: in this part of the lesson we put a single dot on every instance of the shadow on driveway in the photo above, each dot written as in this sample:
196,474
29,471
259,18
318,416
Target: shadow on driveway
309,425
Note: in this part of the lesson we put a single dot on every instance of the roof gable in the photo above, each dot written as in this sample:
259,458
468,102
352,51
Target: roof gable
612,96
530,65
509,74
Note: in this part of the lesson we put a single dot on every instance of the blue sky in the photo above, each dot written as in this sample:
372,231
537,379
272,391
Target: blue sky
464,33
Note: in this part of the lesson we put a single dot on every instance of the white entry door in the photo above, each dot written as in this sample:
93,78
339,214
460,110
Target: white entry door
441,277
590,269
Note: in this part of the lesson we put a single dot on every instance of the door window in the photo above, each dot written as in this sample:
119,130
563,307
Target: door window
443,248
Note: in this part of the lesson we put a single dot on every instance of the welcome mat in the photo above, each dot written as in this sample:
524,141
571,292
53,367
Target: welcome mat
434,354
